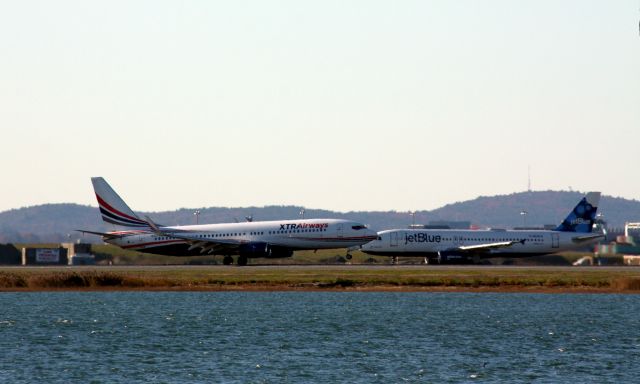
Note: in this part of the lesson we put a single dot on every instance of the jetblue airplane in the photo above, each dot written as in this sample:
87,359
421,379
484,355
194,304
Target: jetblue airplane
442,246
270,239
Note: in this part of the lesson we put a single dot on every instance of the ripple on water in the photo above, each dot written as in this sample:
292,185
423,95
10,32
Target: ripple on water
317,337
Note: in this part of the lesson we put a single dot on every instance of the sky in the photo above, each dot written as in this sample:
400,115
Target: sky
340,105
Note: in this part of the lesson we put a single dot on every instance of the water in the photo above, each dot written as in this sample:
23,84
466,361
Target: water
312,337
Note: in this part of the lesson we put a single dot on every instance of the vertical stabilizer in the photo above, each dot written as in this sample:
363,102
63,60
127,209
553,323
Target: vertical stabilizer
583,216
113,209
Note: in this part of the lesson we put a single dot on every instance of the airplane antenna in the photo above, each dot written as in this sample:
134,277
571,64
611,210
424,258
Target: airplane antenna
524,213
413,217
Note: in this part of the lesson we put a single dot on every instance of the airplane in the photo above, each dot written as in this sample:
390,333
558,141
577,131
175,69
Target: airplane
251,239
449,246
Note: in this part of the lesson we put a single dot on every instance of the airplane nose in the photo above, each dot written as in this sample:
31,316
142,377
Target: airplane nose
366,246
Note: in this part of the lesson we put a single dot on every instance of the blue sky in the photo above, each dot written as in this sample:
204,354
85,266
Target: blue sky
358,105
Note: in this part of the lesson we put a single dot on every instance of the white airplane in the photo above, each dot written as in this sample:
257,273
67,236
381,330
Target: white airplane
270,239
444,246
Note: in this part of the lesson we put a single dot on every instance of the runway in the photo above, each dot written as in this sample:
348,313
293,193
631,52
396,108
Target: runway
340,267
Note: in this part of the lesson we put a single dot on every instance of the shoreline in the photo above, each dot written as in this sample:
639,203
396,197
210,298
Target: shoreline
506,290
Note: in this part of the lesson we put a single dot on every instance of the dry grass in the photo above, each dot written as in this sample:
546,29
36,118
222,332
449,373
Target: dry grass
321,278
626,284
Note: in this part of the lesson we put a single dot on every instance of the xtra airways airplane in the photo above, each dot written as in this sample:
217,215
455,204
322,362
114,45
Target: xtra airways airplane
271,239
448,246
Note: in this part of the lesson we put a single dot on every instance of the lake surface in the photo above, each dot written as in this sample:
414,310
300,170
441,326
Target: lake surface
318,337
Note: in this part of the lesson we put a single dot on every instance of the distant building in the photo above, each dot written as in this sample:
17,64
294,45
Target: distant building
428,226
9,255
79,253
450,224
44,256
632,230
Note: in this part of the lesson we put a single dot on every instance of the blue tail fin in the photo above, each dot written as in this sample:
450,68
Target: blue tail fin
582,217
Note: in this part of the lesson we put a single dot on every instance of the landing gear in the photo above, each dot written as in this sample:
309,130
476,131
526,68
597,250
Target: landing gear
227,260
349,257
242,260
394,260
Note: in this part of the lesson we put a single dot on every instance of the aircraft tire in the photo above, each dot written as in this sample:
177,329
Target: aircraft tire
242,260
227,260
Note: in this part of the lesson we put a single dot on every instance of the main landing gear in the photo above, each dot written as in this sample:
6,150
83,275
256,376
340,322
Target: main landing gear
242,260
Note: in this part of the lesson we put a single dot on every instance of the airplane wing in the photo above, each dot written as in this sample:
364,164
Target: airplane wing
587,237
486,247
207,245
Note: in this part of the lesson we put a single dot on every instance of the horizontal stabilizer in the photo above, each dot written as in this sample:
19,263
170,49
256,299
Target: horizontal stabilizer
586,238
103,234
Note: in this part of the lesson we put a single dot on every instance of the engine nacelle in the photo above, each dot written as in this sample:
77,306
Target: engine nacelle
253,250
279,252
453,258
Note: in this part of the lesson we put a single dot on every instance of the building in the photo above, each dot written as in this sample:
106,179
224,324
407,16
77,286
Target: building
44,256
79,253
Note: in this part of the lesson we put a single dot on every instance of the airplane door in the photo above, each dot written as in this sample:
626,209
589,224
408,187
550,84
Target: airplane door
555,240
339,231
393,239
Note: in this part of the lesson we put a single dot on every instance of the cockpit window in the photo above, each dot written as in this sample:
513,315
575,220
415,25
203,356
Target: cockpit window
359,227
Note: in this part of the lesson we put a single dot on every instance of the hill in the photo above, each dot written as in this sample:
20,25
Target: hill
58,222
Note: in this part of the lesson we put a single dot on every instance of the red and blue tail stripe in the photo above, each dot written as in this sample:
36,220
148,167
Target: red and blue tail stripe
113,216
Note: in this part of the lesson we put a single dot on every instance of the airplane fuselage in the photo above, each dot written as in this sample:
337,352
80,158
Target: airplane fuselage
430,242
280,234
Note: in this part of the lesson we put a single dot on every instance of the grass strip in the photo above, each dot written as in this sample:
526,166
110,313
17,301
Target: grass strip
234,278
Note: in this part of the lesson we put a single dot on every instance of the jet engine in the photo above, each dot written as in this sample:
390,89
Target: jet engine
453,258
253,250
